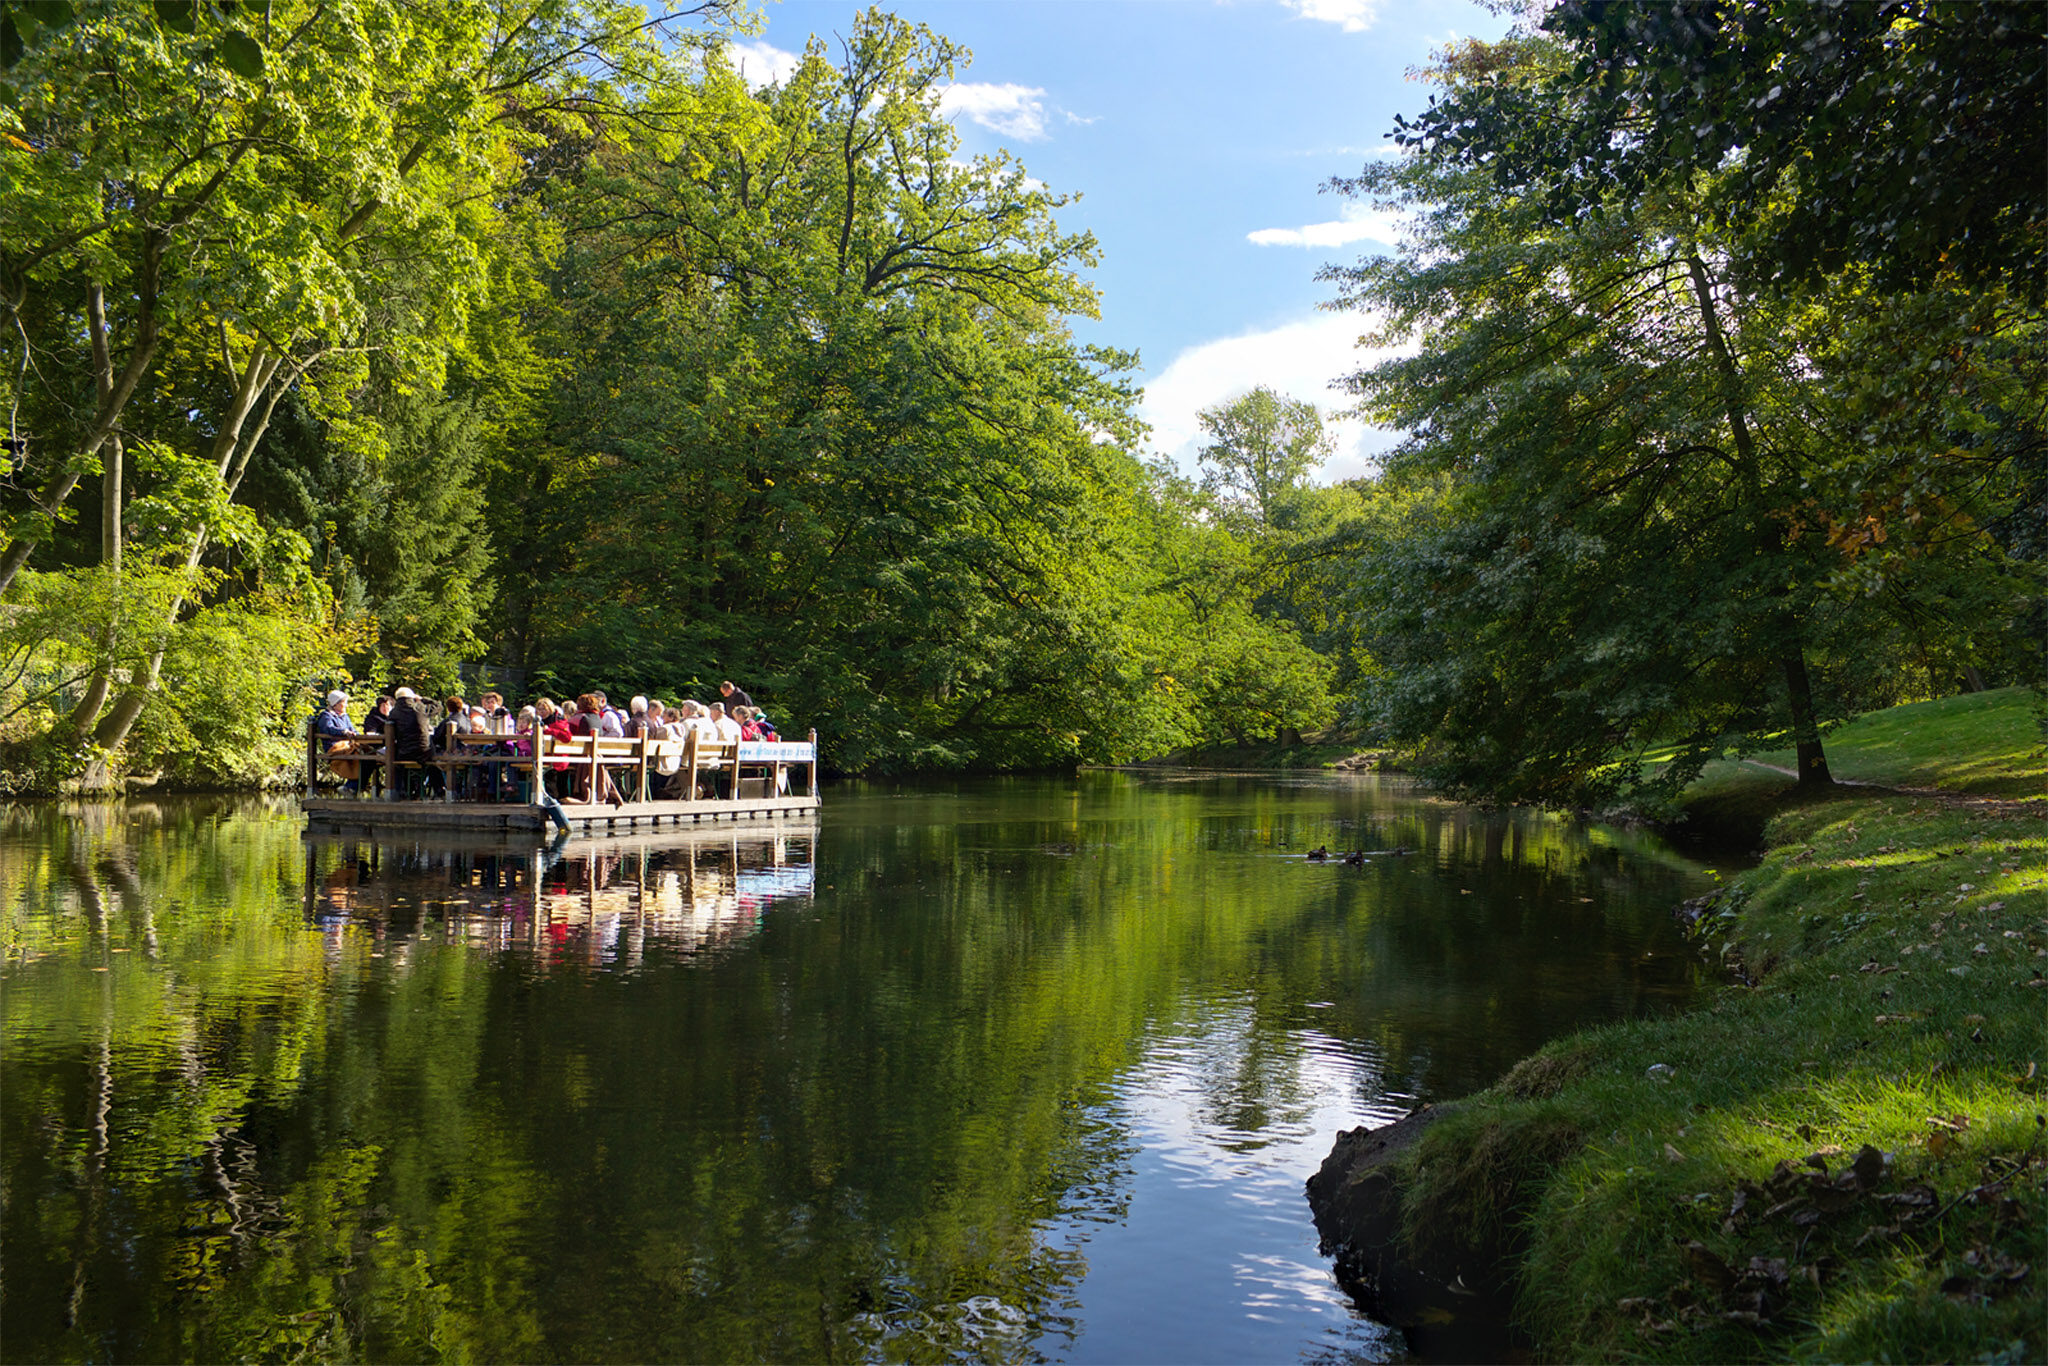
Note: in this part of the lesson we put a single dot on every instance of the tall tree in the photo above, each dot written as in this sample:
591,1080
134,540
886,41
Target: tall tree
241,201
830,432
1261,449
1646,511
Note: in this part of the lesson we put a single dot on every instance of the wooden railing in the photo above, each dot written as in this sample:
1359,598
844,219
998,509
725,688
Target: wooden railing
680,765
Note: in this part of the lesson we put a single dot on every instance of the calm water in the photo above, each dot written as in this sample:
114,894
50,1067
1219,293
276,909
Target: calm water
1005,1071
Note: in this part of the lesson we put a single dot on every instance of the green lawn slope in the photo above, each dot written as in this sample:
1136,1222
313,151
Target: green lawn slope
1987,744
1844,1158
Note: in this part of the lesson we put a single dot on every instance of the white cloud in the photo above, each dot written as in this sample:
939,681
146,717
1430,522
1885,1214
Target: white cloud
1353,16
1015,111
1298,359
1359,223
762,64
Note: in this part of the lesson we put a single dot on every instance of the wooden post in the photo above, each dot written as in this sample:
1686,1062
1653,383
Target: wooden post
690,765
590,798
540,740
814,763
640,793
312,753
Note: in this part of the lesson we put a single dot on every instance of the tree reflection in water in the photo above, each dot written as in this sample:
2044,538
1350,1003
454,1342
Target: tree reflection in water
913,1088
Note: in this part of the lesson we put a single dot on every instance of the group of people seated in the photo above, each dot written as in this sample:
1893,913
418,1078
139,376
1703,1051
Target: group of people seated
418,731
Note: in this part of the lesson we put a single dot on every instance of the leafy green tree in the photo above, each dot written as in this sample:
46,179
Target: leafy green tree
828,432
226,206
1898,136
1261,449
1657,475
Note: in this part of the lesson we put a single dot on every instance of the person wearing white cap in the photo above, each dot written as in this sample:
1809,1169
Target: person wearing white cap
331,722
334,731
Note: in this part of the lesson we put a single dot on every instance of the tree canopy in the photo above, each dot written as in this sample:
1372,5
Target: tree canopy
1679,491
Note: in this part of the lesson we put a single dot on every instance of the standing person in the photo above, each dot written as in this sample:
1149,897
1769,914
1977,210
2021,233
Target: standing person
411,737
733,697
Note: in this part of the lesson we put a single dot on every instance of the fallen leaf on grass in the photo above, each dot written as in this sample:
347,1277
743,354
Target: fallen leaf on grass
1707,1268
1912,1197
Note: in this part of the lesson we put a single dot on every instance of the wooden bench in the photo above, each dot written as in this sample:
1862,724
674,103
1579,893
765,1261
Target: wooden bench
684,762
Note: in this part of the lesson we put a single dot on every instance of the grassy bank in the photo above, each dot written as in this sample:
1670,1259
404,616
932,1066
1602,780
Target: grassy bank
1846,1159
1985,744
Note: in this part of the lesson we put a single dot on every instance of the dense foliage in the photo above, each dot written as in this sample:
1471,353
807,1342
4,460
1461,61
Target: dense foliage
376,344
524,332
1669,490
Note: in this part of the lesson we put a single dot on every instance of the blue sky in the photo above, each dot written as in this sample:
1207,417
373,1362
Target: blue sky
1197,134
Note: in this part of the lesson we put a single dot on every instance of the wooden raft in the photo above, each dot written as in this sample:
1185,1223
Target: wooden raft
748,780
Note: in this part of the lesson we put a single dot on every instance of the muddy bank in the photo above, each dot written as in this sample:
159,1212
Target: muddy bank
1443,1283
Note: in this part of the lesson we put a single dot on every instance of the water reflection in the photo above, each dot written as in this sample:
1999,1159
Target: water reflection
992,1071
599,901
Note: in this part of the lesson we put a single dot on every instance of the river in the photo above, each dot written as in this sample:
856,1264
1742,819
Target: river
996,1070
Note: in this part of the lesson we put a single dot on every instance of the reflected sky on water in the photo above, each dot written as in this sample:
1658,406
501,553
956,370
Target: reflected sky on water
995,1070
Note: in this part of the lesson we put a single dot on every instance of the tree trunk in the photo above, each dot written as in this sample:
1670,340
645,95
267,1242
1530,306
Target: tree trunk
1813,760
1973,678
114,392
88,709
232,451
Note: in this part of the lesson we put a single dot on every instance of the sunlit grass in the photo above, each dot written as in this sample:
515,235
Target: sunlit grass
1987,743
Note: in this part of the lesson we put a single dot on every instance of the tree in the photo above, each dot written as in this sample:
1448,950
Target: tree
829,432
1262,447
1650,468
1898,136
224,205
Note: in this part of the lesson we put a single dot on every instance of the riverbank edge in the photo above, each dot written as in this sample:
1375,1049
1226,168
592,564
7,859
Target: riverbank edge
1637,1192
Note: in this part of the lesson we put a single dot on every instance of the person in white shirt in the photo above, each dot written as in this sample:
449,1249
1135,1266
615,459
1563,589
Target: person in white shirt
689,716
727,728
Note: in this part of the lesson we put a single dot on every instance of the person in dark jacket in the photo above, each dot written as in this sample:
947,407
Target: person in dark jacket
411,734
733,697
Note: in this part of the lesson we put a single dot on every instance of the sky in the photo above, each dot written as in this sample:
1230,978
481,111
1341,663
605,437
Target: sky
1197,135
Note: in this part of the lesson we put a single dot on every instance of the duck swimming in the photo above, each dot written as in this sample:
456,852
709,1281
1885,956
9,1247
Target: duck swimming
1318,854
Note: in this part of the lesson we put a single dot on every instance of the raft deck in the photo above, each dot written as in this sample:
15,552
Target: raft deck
478,783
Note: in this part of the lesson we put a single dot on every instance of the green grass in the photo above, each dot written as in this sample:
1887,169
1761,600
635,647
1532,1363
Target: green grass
1987,744
1897,947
